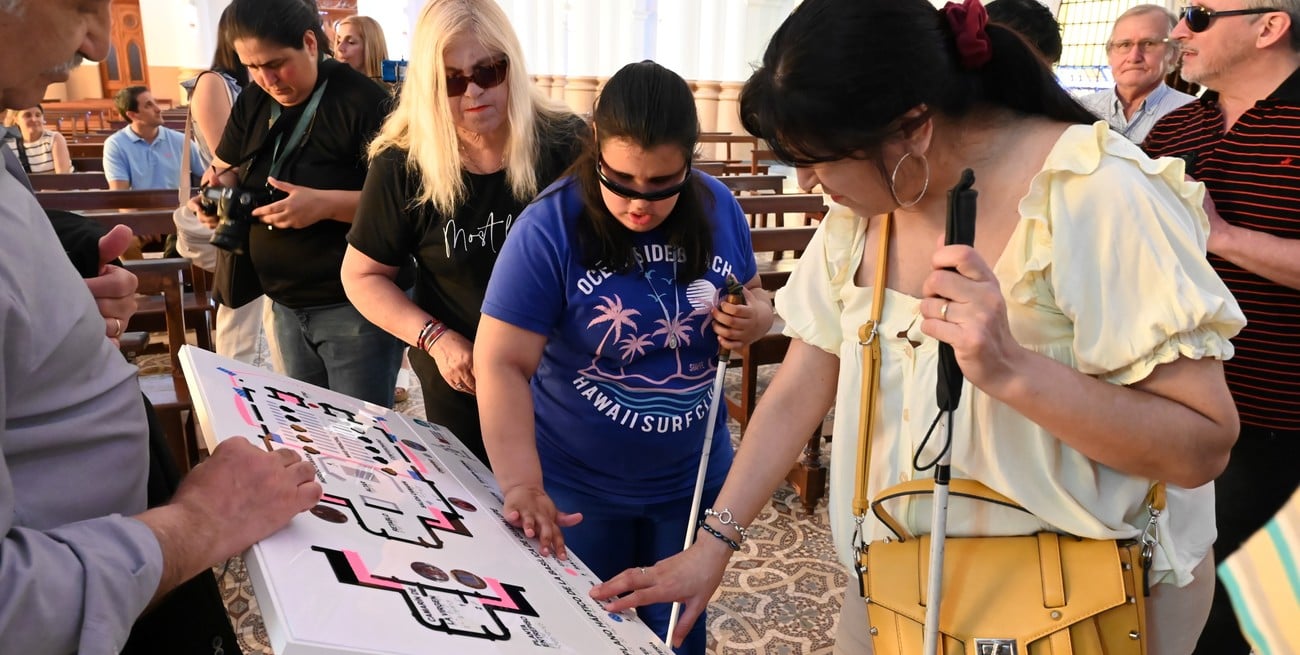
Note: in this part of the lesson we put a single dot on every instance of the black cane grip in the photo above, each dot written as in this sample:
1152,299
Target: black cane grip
735,295
960,230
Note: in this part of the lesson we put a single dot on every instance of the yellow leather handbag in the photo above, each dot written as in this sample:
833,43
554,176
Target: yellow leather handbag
1042,594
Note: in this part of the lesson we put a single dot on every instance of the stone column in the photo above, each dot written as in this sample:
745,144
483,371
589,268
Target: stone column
543,83
706,105
580,93
558,83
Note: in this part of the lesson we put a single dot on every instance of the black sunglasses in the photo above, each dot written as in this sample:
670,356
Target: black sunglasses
1198,18
632,194
485,76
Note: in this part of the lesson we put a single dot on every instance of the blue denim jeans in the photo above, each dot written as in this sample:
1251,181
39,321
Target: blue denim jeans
335,347
614,536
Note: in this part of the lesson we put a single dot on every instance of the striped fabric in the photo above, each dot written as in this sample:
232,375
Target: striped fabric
1263,580
1253,174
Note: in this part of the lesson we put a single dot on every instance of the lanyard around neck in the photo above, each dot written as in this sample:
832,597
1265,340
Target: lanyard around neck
278,155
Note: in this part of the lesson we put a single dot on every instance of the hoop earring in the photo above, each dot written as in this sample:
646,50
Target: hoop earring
893,181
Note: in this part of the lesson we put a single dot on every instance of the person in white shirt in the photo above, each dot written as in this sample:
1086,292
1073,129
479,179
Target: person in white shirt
1141,54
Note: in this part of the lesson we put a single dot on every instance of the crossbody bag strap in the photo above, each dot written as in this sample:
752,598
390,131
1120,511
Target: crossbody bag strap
869,339
183,184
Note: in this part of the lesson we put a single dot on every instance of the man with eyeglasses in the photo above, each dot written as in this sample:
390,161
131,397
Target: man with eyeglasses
1242,139
1140,55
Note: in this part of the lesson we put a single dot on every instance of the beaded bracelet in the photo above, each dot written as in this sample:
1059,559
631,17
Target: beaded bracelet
725,518
731,543
429,334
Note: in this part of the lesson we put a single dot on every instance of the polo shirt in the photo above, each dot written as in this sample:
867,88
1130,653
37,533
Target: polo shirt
1107,106
1253,174
144,165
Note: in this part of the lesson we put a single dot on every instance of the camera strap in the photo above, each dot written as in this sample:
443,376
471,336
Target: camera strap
295,138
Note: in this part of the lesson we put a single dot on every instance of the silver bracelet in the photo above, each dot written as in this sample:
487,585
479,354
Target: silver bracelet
725,518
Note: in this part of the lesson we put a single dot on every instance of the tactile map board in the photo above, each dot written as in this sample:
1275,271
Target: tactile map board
407,551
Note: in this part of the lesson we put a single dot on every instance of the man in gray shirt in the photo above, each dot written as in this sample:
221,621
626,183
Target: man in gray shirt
1141,54
81,558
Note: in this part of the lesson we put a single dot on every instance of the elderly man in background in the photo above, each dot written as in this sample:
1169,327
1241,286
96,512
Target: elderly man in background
1141,54
82,557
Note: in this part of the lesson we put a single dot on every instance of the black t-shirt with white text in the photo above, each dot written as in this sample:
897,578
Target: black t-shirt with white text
454,254
299,268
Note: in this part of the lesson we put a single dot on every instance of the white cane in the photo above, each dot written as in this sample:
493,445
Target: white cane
960,230
735,295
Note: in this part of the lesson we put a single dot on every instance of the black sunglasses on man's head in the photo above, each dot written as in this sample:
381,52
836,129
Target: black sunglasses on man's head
1198,18
485,76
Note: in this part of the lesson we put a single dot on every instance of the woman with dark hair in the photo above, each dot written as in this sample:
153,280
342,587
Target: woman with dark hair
1085,317
298,136
597,348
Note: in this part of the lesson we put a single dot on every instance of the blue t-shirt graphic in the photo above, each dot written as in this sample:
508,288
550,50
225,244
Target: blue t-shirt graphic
623,387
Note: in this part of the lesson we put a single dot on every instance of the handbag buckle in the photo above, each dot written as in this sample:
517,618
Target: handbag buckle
995,647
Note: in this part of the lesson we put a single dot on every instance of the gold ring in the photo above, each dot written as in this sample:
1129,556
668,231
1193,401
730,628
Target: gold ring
118,321
943,312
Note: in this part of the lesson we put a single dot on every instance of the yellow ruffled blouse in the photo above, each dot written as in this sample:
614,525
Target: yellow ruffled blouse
1106,272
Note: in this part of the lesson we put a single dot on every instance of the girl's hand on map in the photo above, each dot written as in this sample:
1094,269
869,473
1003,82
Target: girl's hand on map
454,355
688,577
530,509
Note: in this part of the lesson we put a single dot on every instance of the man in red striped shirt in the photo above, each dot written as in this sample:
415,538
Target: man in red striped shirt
1242,139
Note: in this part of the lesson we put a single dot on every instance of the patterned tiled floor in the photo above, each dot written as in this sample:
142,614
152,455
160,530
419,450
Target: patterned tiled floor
780,596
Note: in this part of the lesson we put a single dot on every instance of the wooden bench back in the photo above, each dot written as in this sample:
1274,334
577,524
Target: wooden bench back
774,271
776,210
88,164
108,199
144,211
69,181
86,150
759,183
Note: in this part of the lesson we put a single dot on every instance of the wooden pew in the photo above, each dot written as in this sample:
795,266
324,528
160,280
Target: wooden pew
161,281
776,210
808,475
728,139
145,212
754,183
88,164
85,150
69,181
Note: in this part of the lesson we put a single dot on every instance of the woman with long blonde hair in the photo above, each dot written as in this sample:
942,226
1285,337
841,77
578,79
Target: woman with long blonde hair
359,42
470,143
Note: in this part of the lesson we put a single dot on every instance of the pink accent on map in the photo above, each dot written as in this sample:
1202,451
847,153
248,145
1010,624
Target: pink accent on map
414,459
363,574
502,596
438,518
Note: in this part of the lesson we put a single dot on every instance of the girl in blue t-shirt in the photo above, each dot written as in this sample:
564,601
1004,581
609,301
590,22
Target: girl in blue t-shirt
597,350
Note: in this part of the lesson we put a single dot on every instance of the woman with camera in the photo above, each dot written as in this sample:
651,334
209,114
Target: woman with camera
291,163
469,145
1085,318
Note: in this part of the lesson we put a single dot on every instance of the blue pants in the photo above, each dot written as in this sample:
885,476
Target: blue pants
614,536
335,347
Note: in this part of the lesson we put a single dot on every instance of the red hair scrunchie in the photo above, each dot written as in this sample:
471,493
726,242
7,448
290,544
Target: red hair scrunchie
967,21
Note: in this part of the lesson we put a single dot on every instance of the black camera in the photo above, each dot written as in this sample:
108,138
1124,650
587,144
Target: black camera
234,207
